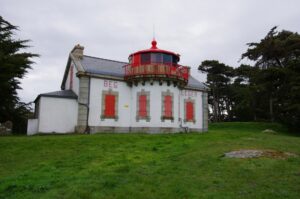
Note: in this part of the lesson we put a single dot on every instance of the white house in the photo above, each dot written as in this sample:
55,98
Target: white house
152,93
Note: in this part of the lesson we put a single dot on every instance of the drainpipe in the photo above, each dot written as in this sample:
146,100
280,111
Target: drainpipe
185,128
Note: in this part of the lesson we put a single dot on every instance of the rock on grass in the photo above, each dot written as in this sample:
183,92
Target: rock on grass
255,153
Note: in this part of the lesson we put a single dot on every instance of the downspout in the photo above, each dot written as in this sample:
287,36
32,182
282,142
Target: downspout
184,128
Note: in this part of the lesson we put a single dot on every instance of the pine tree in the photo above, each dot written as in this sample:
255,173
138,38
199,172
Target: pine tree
14,64
218,80
278,57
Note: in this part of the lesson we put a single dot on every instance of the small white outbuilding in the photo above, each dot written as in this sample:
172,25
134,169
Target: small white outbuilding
152,93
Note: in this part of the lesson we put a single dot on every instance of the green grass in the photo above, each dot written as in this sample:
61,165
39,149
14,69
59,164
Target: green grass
150,166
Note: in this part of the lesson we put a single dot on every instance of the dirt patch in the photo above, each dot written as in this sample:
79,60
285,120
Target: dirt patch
278,154
254,153
270,131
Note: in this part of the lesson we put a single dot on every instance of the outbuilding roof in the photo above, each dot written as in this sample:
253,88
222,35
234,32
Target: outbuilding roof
69,94
100,66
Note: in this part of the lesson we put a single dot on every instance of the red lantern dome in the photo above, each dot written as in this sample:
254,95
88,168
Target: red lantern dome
156,64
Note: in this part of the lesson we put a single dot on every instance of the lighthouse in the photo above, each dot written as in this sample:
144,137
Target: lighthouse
151,93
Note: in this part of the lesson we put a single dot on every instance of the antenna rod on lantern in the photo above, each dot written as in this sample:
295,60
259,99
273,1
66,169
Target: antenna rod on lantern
153,32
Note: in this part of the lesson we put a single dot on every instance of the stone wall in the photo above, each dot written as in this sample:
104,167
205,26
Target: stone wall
205,111
83,100
6,128
151,130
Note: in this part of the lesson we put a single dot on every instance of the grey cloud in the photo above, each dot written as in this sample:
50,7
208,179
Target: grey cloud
198,30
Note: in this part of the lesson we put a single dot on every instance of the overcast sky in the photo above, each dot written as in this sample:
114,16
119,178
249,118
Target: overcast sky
196,29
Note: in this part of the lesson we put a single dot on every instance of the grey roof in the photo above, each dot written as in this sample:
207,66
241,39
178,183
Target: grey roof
193,83
102,66
59,94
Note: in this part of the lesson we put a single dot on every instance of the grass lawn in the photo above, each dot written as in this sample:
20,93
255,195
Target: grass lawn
150,166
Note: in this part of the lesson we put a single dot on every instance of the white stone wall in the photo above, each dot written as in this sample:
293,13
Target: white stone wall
75,80
198,114
32,126
124,103
155,105
61,115
57,115
127,105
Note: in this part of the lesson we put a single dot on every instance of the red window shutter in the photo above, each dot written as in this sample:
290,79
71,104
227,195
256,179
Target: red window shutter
189,107
110,101
143,106
168,106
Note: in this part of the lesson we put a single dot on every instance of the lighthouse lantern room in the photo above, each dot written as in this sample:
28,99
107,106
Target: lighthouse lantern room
156,64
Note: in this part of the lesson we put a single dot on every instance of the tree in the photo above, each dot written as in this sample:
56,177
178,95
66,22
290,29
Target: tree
244,93
277,49
269,90
14,64
218,79
278,57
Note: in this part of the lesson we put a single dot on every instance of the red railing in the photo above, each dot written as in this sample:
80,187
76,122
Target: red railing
159,70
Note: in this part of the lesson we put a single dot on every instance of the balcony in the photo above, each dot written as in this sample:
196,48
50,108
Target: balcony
161,71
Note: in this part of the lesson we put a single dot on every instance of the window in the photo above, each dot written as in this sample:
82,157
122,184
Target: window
156,58
189,110
143,106
145,58
110,101
167,109
167,59
109,105
168,106
175,59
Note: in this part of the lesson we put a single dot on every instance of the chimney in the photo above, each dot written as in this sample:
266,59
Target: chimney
78,51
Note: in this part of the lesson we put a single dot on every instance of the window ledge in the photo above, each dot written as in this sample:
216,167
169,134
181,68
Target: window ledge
103,117
163,118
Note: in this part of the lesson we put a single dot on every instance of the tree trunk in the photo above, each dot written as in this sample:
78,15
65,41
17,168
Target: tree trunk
219,111
271,109
254,108
215,107
227,102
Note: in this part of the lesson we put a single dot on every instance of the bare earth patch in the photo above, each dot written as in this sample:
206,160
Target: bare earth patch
270,131
254,153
